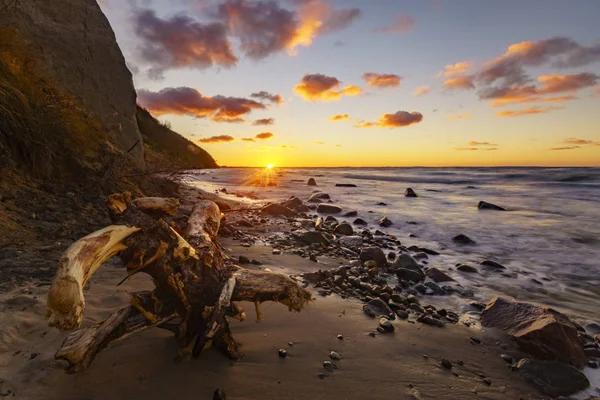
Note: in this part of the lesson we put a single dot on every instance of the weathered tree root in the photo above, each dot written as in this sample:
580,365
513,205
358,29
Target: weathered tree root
196,284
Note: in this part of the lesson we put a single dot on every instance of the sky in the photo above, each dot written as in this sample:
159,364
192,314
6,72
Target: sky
310,83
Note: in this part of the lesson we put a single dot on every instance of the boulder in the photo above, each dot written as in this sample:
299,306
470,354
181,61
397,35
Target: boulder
539,331
437,275
329,209
375,254
377,308
310,237
410,275
351,241
404,260
483,205
463,240
344,229
311,182
552,378
320,196
467,268
385,222
350,214
409,193
492,264
292,203
359,221
345,185
278,209
78,49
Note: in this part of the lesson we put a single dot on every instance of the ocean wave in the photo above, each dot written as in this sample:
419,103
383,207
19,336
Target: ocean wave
415,179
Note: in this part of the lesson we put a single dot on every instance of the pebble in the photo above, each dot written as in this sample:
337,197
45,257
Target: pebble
402,314
321,375
329,366
385,326
335,356
282,353
474,340
219,394
446,364
507,358
276,251
340,337
243,260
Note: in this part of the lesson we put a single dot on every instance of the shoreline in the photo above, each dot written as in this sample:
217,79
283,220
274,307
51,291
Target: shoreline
404,364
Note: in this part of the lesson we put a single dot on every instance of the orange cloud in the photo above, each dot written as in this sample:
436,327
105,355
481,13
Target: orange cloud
264,135
339,117
457,117
460,68
382,80
338,145
582,142
476,143
526,111
288,147
188,101
402,23
556,83
399,119
565,148
421,90
324,88
264,121
466,148
460,82
273,98
217,139
502,101
248,139
318,142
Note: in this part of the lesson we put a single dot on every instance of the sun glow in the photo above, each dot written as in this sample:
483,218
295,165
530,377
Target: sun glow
270,166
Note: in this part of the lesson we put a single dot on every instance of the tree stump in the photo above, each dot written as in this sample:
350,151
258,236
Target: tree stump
196,284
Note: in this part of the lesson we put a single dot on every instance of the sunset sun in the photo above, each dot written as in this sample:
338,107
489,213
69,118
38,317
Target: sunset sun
270,166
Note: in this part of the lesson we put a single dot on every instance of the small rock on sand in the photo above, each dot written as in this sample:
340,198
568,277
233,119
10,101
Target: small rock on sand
350,214
344,229
483,205
437,275
467,268
385,222
376,308
282,353
492,264
335,356
243,260
375,254
409,193
359,221
329,209
319,195
311,182
446,364
463,240
278,209
351,241
310,237
385,326
409,275
405,260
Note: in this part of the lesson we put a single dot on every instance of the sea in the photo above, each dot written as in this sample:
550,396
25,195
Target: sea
548,239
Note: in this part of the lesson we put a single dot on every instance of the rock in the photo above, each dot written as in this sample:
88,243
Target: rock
319,223
359,221
437,275
331,219
223,206
282,353
340,337
310,237
243,260
434,287
335,356
311,182
276,252
489,206
344,229
345,185
409,193
375,254
76,47
320,196
507,358
463,240
446,364
219,394
329,366
292,203
381,203
491,264
402,314
385,326
278,209
429,251
552,378
350,214
405,261
329,209
421,256
410,275
467,268
427,320
385,222
351,241
541,332
377,308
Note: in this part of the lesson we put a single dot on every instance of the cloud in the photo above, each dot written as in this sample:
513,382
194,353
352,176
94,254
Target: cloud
466,148
476,143
526,111
565,148
248,139
421,90
556,83
399,119
339,117
324,88
217,139
283,146
460,68
402,23
264,121
273,98
581,142
459,82
457,117
338,145
188,101
382,80
264,27
318,142
181,41
264,135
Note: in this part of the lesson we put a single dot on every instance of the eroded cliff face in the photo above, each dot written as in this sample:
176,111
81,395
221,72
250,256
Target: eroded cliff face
78,48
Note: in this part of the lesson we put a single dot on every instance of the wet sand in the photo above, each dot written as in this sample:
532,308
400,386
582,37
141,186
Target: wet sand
142,366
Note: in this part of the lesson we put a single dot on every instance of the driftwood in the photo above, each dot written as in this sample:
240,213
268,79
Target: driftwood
196,284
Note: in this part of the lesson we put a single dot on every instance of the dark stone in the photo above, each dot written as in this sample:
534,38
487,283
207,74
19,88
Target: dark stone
377,308
428,320
409,193
282,353
385,326
331,218
446,364
359,221
243,260
310,237
463,240
507,358
350,214
311,182
492,264
437,275
345,185
489,206
334,355
410,275
329,209
552,378
351,241
375,254
385,222
219,394
292,203
541,332
320,196
467,268
429,251
402,314
436,289
329,366
278,209
405,261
